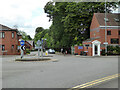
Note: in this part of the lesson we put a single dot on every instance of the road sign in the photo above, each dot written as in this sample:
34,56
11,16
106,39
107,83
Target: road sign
22,42
40,47
23,47
38,42
42,40
80,47
105,43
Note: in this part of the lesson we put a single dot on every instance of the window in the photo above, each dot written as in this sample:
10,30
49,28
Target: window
12,46
108,32
87,45
3,47
114,41
2,35
12,34
116,19
119,32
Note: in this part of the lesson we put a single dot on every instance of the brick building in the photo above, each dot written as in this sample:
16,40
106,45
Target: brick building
9,41
29,44
95,44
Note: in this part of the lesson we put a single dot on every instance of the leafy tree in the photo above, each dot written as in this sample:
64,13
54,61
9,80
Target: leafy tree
29,38
39,29
40,34
71,21
25,36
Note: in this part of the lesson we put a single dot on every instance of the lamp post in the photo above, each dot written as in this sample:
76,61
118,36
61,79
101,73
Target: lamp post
42,46
105,30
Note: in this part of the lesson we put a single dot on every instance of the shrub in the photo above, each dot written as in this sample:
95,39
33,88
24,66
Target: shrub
103,52
27,51
113,50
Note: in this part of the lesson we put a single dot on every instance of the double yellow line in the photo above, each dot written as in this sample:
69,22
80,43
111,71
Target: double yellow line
86,85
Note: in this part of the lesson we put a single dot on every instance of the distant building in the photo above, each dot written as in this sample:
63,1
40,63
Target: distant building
95,44
29,44
9,41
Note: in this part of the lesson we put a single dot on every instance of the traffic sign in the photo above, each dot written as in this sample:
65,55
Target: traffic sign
80,47
23,47
22,42
38,42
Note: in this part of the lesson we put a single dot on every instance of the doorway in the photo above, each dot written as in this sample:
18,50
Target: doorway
96,48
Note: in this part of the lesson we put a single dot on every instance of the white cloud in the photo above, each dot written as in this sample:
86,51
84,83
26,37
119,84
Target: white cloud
27,14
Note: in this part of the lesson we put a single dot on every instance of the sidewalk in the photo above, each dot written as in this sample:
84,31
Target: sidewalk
97,56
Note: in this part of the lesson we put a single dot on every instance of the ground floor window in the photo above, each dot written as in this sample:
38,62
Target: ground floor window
12,46
114,41
3,47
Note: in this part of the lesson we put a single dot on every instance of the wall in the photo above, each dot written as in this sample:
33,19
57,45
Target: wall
8,41
77,51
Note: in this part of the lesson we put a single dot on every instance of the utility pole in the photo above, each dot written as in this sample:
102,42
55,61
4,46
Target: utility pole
105,28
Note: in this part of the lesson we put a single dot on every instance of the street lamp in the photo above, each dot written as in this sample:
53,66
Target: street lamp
105,30
42,46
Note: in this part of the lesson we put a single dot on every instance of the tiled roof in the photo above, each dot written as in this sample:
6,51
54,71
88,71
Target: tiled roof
111,19
30,42
3,27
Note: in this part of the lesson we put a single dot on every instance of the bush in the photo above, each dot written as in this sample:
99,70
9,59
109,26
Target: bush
103,52
113,50
27,51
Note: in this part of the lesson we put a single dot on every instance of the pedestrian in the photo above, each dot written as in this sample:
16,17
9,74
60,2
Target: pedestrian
66,51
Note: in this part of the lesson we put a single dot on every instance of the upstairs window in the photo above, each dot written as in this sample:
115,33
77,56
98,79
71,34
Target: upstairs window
106,19
114,41
116,19
2,35
118,32
108,32
12,34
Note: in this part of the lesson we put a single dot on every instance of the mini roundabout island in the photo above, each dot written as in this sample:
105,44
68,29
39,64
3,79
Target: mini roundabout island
33,59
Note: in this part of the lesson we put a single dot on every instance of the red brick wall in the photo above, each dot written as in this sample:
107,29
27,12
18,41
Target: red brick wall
94,24
89,53
101,33
114,34
28,45
8,41
78,51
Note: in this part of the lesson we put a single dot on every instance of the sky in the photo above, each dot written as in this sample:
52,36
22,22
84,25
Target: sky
26,14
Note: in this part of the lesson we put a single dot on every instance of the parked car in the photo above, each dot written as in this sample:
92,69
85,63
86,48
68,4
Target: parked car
51,51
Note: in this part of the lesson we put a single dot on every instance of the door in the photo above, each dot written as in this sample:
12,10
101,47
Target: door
96,50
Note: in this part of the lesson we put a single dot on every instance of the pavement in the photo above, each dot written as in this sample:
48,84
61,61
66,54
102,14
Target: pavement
64,72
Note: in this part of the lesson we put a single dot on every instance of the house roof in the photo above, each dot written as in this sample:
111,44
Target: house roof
5,28
30,42
111,19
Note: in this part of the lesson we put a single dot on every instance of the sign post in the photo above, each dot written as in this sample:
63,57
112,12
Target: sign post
22,42
38,43
42,49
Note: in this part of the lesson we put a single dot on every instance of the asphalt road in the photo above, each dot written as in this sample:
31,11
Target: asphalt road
65,72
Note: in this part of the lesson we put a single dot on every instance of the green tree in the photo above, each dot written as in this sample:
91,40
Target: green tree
71,21
29,38
39,29
25,36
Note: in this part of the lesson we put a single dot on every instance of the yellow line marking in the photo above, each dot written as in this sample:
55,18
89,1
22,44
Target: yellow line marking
96,81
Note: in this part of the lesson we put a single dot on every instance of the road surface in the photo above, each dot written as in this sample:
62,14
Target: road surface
64,72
